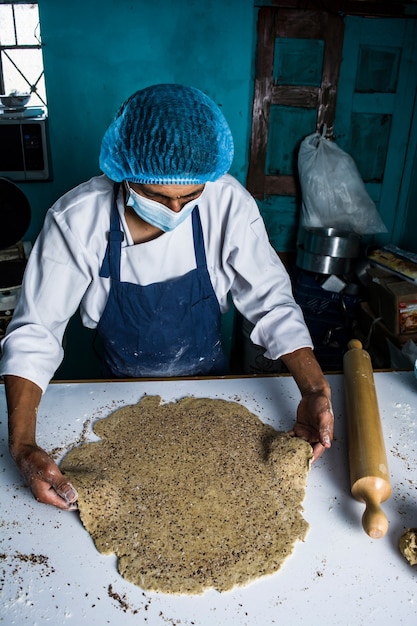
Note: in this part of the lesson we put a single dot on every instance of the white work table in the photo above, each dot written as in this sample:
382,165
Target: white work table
52,573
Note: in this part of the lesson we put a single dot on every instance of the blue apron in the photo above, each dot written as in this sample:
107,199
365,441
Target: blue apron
165,329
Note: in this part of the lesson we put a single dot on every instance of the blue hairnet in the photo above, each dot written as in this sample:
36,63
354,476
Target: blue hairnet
167,134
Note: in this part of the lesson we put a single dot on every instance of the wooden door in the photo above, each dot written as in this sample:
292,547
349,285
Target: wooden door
297,66
355,74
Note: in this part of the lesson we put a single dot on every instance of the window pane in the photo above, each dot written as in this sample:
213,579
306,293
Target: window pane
7,37
27,24
30,64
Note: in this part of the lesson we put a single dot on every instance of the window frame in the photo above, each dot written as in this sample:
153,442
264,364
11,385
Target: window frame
5,47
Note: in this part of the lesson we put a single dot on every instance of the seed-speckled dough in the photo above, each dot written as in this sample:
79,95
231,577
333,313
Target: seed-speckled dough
408,545
191,495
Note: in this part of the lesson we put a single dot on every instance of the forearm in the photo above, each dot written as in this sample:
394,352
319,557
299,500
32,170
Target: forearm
23,398
306,371
47,483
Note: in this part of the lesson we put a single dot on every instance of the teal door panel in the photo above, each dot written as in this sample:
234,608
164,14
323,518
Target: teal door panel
378,68
298,61
374,107
371,129
287,126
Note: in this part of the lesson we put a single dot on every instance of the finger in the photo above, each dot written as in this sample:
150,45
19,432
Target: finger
53,476
318,450
45,493
326,422
325,437
66,491
51,487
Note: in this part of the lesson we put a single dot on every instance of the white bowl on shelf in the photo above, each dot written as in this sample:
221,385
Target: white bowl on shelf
15,101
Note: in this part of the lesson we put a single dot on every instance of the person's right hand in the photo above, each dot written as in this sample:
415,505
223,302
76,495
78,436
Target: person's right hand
45,479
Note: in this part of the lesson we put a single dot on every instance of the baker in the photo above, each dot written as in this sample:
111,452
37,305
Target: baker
150,251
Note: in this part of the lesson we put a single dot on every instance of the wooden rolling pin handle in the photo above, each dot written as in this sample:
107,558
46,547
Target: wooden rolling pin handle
374,520
372,491
367,458
355,344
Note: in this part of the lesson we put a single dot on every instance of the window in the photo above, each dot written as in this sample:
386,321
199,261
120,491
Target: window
21,60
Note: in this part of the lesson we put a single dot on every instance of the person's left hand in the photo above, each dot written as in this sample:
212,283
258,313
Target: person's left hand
315,422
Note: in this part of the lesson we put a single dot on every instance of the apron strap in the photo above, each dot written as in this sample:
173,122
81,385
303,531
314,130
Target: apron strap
199,251
111,262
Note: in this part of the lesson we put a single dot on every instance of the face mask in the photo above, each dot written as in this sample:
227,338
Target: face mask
157,214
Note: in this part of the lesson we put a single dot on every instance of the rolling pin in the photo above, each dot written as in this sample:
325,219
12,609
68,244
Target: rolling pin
369,478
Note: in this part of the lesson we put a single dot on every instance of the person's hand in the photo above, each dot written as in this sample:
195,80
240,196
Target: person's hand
315,419
44,478
315,422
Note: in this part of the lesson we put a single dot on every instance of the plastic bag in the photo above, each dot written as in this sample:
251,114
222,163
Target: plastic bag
333,192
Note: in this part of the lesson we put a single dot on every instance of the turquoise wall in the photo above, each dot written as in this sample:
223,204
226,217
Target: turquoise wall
98,52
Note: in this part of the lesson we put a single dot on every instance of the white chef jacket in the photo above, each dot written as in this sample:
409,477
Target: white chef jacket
63,273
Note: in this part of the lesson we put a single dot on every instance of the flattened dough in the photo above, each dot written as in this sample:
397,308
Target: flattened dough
191,495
